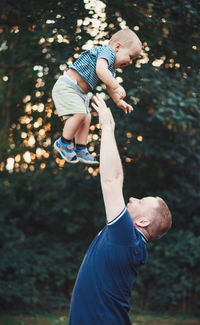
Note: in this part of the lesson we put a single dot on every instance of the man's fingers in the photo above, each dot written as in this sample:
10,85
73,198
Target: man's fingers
101,100
97,101
95,107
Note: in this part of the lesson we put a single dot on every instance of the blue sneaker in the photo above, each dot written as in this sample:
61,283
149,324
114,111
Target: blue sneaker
66,151
84,156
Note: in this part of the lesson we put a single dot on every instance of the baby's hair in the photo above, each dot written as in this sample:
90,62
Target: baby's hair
125,37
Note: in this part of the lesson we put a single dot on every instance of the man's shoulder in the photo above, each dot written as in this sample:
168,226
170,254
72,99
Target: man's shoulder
122,230
124,212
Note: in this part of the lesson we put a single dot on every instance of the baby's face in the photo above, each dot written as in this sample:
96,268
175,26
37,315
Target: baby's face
126,55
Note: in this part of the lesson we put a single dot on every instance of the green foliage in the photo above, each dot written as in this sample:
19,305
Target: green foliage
44,234
141,319
49,216
32,56
170,266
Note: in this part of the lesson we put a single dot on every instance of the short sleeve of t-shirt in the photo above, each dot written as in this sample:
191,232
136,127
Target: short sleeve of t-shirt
121,230
106,52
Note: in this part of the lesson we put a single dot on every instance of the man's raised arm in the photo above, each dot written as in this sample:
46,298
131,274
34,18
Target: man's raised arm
111,171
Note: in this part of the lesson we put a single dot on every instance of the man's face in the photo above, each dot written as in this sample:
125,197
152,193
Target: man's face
141,207
126,55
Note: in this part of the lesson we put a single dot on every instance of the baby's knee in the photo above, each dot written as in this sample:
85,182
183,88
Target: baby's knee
81,117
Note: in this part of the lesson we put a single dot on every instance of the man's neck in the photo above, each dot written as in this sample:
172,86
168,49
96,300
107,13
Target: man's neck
144,233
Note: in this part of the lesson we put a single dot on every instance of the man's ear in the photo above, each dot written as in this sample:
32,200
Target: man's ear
142,222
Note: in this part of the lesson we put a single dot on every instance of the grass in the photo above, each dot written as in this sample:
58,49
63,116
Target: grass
164,319
59,319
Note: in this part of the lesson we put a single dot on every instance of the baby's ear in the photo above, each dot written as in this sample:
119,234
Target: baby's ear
117,46
142,222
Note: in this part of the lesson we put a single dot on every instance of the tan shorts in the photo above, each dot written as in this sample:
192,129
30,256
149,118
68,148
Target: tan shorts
69,98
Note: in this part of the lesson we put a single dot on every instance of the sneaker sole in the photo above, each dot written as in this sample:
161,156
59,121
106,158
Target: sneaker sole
60,152
89,162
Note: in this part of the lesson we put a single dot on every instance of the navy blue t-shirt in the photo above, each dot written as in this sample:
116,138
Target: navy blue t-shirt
102,289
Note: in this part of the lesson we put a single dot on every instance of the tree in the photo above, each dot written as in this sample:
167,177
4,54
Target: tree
162,136
46,221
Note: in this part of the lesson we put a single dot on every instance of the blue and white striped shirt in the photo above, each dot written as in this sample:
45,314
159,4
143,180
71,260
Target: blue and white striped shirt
86,63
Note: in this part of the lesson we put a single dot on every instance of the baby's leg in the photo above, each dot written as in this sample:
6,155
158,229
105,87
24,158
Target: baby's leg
81,135
72,125
76,126
64,145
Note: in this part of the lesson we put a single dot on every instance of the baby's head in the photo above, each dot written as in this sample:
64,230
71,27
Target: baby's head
127,47
150,215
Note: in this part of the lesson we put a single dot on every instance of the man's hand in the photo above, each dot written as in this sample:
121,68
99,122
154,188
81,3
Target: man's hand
105,115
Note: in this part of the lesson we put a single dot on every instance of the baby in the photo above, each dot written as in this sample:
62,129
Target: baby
70,91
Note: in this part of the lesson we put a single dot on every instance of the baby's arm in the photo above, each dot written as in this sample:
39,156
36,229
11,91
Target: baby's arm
105,75
118,100
116,92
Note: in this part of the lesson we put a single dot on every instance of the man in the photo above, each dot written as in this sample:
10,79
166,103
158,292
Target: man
102,290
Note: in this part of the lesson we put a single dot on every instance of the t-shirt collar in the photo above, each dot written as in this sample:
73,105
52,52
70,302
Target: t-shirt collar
143,237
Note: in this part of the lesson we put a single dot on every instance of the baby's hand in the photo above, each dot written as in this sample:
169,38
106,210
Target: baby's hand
119,91
121,103
117,96
125,106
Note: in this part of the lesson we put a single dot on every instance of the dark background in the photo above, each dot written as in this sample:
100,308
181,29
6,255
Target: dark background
50,211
